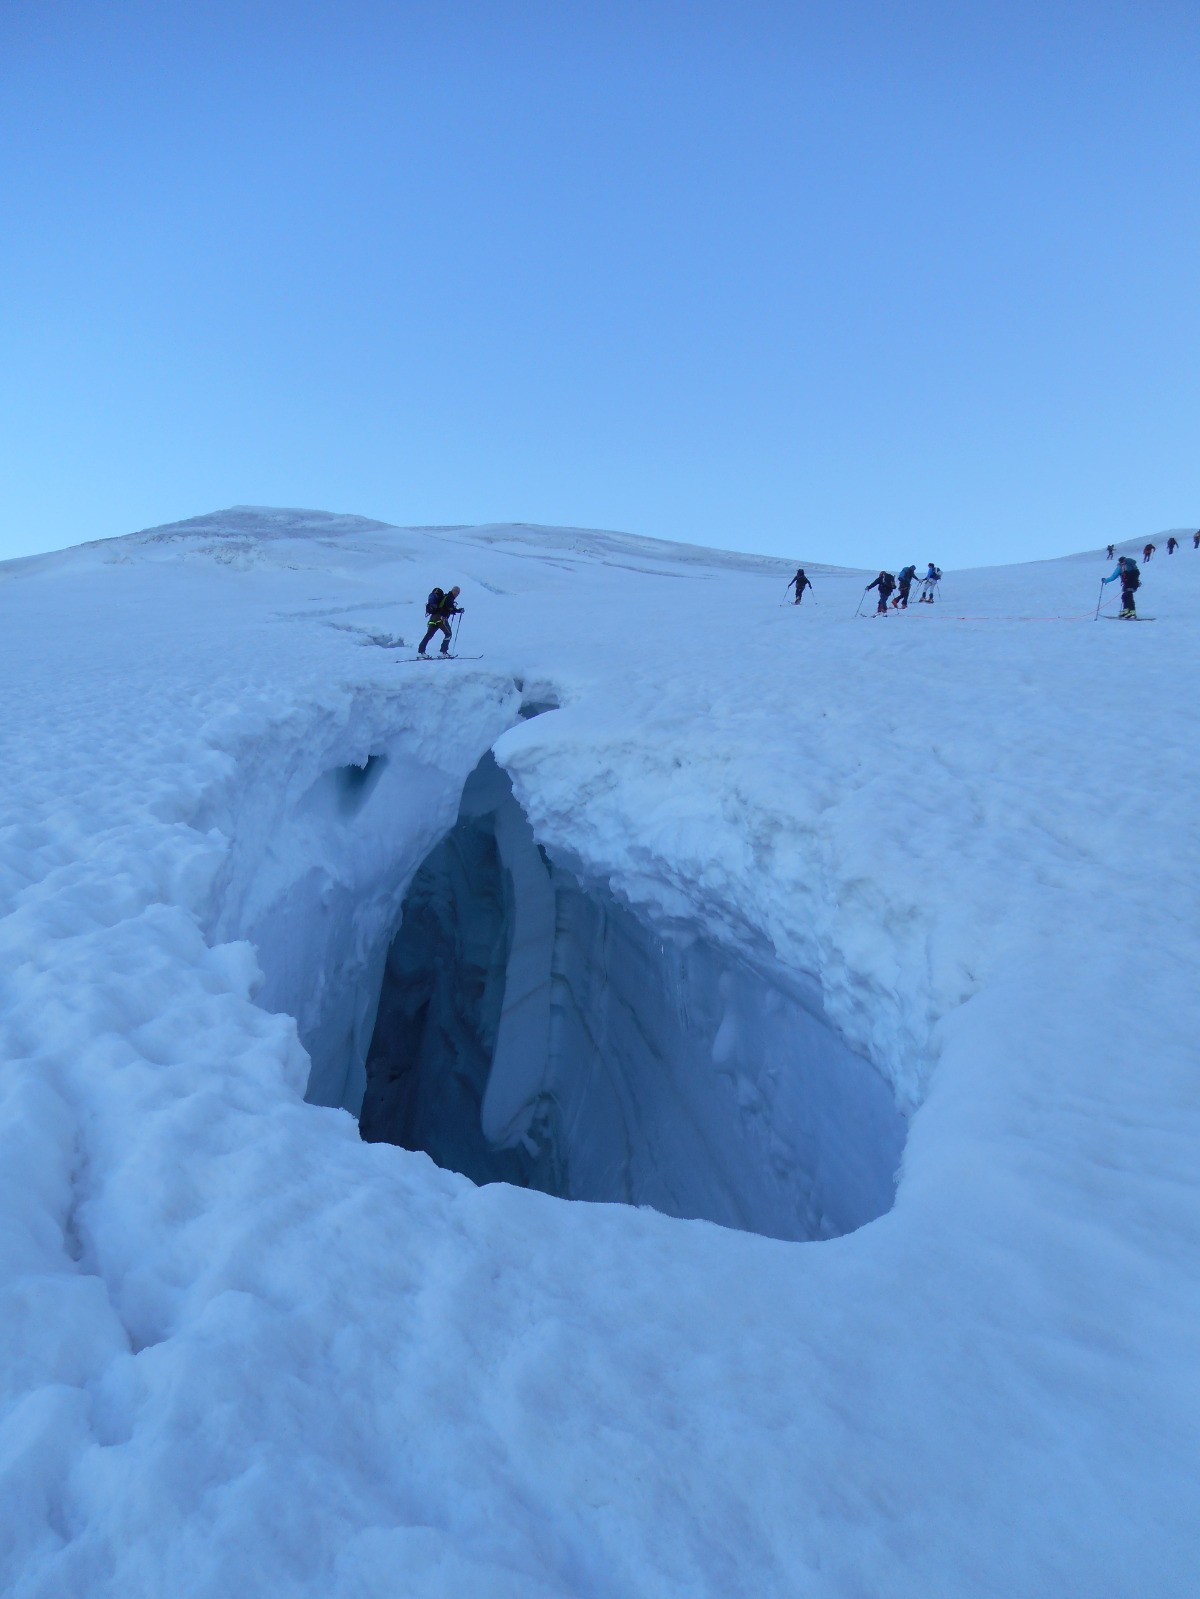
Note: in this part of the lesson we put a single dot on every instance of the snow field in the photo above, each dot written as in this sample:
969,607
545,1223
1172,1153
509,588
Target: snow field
241,1349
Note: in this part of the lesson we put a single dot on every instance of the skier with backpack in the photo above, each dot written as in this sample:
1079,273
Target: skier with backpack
1196,539
800,583
906,579
928,583
1172,545
1131,579
439,608
1147,552
885,583
1110,552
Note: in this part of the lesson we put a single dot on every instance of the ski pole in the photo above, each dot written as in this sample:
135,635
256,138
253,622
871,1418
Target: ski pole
1099,602
457,625
860,603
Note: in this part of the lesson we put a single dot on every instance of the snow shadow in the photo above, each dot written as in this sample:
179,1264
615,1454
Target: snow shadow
353,784
532,1030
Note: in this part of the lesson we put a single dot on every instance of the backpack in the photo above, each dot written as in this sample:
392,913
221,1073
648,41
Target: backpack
1132,578
434,601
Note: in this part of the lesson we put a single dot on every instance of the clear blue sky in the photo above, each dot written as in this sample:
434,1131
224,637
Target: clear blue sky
852,281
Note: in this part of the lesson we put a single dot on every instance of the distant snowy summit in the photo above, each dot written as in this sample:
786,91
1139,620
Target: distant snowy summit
264,523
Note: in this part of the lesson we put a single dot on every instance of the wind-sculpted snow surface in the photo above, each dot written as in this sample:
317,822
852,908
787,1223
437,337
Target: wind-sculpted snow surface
242,1351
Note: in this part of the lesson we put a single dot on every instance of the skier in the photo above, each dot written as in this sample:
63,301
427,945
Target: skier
928,583
907,575
1196,539
1109,556
439,608
1147,551
1127,571
885,583
1172,543
800,582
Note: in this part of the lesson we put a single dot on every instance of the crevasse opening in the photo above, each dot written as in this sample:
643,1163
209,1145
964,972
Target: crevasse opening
531,1029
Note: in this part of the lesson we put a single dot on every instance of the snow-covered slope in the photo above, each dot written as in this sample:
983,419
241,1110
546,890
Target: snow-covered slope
952,853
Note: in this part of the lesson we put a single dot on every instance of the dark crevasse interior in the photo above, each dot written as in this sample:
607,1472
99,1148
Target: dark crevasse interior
533,1030
441,1002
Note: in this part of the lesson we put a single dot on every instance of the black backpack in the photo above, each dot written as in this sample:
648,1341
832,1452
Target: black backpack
434,602
1132,578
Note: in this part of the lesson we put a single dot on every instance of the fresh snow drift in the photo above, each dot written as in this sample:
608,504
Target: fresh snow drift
628,911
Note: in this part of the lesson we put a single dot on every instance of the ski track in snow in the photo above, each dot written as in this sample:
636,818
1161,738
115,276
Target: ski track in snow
242,1351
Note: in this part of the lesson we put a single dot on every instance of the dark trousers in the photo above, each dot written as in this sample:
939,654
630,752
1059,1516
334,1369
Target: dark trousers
902,598
1127,600
439,625
881,608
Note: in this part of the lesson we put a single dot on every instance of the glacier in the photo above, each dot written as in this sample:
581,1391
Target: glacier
775,1062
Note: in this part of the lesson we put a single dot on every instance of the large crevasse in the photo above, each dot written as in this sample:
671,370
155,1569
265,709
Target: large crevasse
531,1029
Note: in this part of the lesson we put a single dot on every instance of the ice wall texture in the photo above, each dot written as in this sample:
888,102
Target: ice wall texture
532,1031
442,1000
241,1351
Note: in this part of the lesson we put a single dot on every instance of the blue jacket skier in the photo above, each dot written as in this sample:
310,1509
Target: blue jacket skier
905,578
928,583
1127,570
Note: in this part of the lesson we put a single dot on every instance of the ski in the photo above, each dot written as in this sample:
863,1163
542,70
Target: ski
1128,618
411,660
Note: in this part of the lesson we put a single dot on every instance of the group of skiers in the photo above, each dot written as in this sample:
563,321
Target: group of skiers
1127,573
1172,545
887,584
442,605
901,585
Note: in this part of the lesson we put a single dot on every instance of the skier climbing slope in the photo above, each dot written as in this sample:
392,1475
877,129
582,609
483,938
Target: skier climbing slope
1126,572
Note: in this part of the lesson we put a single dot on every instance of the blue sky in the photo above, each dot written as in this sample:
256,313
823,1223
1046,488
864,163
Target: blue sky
850,281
